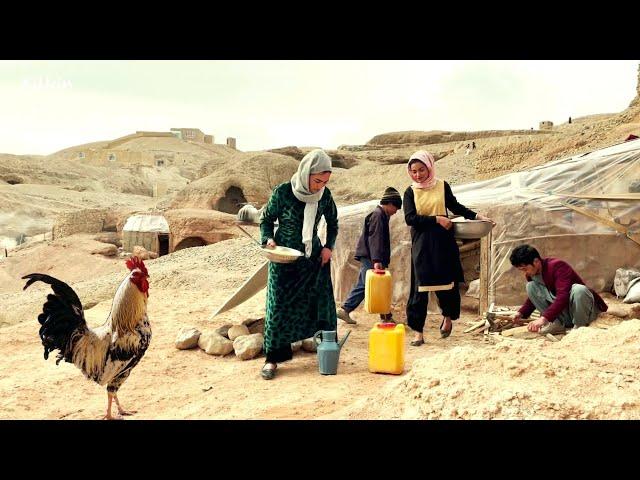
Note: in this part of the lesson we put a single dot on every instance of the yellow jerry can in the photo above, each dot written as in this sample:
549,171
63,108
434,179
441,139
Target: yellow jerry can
377,291
386,348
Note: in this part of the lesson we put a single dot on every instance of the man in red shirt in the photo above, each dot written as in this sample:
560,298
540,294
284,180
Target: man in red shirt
556,291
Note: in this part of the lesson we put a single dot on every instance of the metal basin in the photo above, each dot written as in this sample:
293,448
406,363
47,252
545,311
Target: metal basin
281,254
469,229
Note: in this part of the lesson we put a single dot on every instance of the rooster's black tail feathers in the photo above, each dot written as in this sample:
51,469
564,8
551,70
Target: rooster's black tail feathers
61,316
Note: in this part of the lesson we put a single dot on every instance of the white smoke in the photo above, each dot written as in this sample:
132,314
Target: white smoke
8,243
15,224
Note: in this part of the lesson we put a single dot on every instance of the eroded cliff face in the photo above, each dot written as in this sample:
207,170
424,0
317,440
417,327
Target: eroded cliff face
636,101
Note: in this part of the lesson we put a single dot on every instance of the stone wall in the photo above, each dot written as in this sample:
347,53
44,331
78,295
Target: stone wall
81,221
192,134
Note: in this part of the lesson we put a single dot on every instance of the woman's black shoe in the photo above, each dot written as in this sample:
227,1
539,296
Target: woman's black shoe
268,373
445,333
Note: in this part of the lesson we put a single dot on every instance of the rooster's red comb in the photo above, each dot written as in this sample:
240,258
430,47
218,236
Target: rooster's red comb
136,262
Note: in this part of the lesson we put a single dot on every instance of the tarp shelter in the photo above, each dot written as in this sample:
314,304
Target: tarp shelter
582,209
148,231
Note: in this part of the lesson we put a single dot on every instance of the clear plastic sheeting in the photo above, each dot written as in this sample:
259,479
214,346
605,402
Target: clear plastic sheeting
584,209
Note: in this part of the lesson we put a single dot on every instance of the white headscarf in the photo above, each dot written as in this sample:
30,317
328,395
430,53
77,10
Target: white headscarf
316,161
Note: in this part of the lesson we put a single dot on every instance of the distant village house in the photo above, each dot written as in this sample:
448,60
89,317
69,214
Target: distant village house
116,151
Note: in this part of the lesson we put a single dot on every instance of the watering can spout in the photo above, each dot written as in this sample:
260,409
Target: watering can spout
344,339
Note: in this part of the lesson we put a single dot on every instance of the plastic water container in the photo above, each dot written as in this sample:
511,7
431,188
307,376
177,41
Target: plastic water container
377,291
386,348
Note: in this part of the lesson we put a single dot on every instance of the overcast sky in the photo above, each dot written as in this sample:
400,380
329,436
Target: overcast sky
46,106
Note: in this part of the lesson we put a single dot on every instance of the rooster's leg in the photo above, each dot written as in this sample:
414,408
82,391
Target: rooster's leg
121,410
108,416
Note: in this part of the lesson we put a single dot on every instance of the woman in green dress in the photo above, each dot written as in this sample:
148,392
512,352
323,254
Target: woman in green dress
300,294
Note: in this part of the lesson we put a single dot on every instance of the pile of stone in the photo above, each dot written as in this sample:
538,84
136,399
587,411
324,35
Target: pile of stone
246,340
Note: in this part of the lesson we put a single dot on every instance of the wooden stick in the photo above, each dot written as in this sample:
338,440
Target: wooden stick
485,272
469,246
475,326
513,312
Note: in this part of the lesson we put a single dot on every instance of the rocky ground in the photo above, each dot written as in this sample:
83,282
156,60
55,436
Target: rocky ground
463,376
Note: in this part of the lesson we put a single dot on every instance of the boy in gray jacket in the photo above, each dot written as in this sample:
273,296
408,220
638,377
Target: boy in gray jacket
373,250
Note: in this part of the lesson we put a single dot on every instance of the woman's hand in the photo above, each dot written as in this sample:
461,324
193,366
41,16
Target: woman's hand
325,255
486,219
378,266
444,222
271,243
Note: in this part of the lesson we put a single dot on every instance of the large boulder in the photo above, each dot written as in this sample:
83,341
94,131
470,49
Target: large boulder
215,344
143,253
622,280
250,214
474,289
108,237
106,249
248,346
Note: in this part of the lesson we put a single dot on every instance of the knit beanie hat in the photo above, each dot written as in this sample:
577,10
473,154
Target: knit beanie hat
391,196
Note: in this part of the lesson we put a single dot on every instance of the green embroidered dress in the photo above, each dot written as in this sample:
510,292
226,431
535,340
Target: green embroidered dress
300,294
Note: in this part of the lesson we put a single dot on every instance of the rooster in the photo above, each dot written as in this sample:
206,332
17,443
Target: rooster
108,353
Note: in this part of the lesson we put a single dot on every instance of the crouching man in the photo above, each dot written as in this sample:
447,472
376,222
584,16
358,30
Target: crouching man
556,291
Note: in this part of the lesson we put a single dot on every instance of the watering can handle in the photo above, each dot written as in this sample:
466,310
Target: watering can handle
379,272
315,337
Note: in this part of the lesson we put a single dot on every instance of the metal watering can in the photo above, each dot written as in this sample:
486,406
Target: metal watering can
328,350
